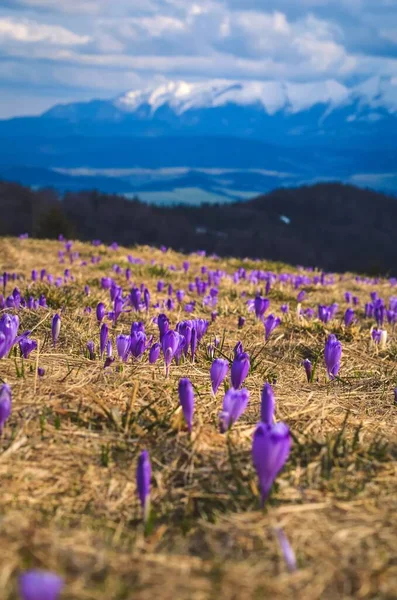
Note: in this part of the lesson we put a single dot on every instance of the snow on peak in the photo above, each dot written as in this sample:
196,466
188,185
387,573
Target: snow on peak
273,96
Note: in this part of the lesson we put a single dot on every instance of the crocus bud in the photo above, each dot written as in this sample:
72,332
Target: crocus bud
267,404
287,551
218,372
348,317
91,349
56,328
241,322
163,324
40,371
270,450
234,404
332,356
186,399
103,338
154,353
260,305
193,342
240,368
170,344
5,404
308,368
123,344
40,585
271,322
143,477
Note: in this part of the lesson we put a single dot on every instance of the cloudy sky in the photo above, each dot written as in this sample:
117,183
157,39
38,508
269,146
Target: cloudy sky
63,50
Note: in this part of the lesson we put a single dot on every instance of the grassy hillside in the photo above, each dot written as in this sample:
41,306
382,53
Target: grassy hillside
69,451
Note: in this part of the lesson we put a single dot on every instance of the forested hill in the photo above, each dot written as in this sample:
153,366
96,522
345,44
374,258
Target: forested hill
333,226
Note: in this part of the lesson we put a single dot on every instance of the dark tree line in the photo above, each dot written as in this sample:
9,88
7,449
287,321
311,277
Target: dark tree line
333,226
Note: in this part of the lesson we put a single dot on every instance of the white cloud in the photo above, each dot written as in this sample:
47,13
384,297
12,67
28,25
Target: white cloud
115,44
27,31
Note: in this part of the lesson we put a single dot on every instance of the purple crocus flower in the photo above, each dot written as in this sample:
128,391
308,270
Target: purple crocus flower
260,305
368,310
40,371
103,338
270,323
186,399
184,328
267,404
301,296
170,345
349,317
348,297
123,344
8,333
154,353
239,370
308,368
332,356
284,308
139,343
234,404
379,336
270,450
193,343
143,477
379,312
163,324
5,404
117,308
106,283
218,372
27,346
40,585
100,311
55,328
135,298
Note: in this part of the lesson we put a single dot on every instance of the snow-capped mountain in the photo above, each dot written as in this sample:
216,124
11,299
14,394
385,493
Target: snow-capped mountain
298,131
324,113
272,96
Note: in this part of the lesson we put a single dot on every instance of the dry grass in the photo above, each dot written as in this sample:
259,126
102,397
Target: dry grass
68,454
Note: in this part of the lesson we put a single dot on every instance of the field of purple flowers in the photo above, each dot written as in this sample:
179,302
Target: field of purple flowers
189,427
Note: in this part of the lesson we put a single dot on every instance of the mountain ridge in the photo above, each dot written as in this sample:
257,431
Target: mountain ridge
310,131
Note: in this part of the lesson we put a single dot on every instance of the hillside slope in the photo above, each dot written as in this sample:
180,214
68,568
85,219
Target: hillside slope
331,226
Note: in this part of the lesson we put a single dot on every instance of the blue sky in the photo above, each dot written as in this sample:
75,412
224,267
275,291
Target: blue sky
64,50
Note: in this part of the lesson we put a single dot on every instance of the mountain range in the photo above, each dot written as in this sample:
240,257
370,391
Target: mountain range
229,140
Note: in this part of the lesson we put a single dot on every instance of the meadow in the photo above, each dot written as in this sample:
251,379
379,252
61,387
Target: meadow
79,422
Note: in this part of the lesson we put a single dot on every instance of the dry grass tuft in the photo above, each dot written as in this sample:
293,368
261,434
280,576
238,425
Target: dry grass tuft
68,454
